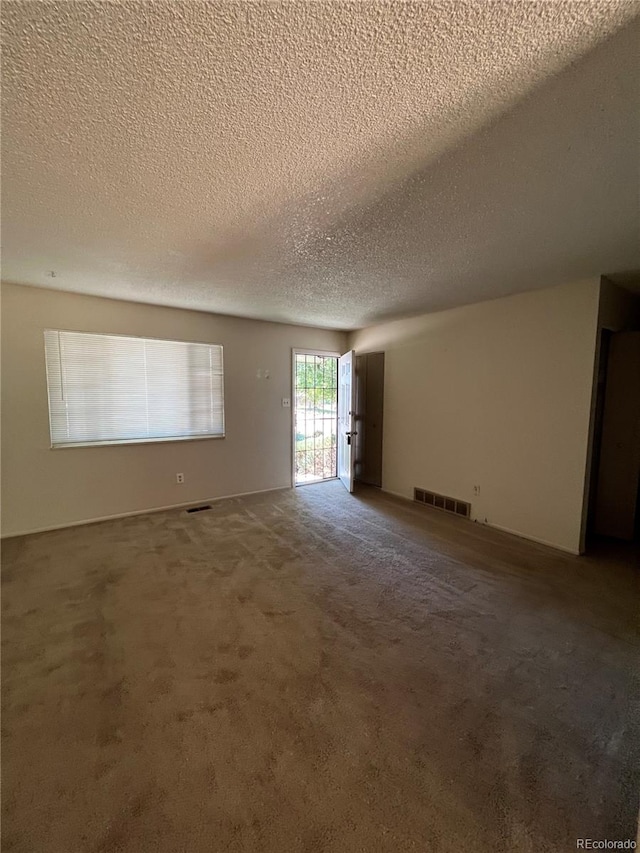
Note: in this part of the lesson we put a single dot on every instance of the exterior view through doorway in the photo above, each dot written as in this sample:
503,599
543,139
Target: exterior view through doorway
315,416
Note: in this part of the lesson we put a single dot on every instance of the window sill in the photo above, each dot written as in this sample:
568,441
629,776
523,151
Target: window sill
131,441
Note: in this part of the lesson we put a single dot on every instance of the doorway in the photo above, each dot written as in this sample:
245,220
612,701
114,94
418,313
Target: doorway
614,497
315,418
369,378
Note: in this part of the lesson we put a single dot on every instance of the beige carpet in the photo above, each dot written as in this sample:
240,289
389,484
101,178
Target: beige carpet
309,671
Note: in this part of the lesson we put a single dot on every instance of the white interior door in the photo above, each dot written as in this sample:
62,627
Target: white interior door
346,418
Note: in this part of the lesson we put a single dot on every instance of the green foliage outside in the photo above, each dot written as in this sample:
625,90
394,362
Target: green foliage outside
316,443
316,456
316,382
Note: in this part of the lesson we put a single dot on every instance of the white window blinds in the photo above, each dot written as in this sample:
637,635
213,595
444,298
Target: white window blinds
110,389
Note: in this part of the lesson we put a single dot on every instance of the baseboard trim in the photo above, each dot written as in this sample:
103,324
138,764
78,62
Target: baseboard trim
574,552
148,511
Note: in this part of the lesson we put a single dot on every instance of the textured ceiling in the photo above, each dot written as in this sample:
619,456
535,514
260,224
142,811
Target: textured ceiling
330,163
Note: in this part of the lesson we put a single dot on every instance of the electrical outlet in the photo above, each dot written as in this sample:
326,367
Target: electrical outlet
179,478
476,490
286,402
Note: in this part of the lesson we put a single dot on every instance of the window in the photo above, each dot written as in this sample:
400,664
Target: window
111,389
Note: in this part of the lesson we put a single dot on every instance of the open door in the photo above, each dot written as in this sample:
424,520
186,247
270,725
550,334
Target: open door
617,509
346,419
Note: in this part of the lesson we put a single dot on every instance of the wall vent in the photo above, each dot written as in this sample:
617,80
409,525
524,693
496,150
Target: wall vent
422,496
199,508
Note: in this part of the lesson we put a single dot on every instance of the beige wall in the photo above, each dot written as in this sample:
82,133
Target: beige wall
45,488
498,395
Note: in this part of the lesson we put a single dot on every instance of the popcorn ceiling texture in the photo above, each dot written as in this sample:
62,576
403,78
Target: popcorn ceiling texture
318,162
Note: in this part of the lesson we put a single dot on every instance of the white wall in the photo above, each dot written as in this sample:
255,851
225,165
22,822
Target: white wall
496,394
45,488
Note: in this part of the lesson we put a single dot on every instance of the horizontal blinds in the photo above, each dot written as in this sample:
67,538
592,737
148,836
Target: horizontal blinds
113,389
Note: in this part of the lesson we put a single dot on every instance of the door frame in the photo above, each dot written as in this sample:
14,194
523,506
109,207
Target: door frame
294,352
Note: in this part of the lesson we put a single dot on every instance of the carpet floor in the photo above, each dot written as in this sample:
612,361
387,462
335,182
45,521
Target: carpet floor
306,670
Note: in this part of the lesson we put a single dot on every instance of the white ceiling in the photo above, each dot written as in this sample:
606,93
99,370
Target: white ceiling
329,163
